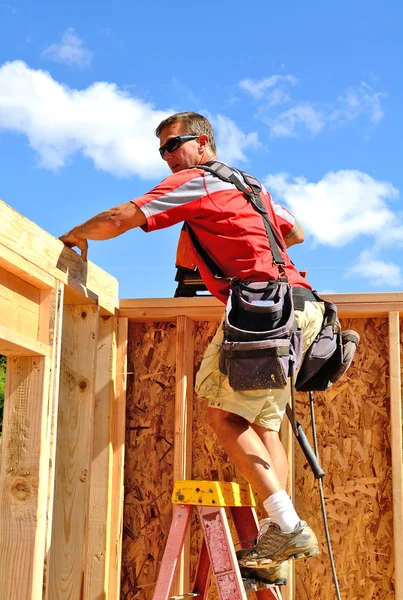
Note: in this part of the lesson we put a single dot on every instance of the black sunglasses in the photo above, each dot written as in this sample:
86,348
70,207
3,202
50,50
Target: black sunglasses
174,143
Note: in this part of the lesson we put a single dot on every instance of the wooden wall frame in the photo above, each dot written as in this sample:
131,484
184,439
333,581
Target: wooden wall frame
61,472
359,307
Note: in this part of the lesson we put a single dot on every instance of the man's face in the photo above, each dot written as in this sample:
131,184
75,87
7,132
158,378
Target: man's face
186,155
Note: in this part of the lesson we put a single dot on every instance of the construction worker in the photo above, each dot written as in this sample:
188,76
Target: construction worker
233,235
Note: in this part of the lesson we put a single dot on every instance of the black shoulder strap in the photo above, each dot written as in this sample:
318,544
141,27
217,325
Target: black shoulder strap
228,174
208,261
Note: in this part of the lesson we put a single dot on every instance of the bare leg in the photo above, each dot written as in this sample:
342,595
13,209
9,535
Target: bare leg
247,451
275,448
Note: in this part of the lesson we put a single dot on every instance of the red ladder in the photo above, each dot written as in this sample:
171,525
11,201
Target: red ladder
217,552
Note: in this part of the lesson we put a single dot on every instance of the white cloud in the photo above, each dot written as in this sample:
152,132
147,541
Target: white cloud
358,101
272,93
289,122
102,122
378,272
70,50
339,207
258,88
8,8
231,141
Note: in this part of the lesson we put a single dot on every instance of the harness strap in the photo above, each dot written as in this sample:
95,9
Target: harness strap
215,269
227,174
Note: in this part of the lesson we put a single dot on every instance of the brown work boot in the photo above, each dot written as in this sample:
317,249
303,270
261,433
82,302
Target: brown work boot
275,546
270,575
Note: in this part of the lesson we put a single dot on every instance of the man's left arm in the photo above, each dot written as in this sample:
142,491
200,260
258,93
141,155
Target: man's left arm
104,226
295,236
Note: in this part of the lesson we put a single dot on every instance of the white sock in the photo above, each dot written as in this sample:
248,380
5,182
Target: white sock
281,510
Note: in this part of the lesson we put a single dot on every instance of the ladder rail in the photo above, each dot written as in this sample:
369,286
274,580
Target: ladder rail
173,548
203,572
221,550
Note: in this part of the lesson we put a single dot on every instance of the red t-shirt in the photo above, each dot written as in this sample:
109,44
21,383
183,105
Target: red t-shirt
227,226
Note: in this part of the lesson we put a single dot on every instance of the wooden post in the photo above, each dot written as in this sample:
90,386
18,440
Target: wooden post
27,471
50,328
396,431
116,489
99,507
74,452
24,478
183,430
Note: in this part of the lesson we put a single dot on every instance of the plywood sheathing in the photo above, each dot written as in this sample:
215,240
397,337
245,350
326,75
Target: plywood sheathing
353,425
149,455
354,442
210,461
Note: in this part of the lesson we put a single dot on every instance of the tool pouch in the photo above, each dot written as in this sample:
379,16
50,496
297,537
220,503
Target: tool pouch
262,346
330,354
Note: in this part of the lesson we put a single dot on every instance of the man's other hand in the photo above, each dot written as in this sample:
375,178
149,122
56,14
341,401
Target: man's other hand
71,240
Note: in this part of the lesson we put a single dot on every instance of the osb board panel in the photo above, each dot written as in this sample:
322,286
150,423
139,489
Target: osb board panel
210,461
354,444
149,455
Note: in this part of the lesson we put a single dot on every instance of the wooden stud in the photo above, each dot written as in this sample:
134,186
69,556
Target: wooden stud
396,443
24,478
50,331
118,431
74,452
182,468
99,508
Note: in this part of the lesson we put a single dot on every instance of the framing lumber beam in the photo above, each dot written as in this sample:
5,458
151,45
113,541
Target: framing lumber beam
27,471
182,468
16,344
50,330
207,308
116,489
396,431
99,509
24,478
66,558
25,247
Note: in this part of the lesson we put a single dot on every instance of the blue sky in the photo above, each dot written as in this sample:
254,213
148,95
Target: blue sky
306,96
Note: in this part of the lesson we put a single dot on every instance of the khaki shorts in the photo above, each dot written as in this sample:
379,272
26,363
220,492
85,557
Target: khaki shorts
261,407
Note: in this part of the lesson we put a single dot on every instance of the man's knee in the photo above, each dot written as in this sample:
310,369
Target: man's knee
222,420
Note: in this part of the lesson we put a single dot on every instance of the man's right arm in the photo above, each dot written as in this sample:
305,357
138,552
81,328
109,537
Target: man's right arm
104,226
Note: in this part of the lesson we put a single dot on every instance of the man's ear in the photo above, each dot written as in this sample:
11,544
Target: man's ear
203,141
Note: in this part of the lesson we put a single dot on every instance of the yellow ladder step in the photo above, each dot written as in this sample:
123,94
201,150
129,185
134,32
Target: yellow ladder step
213,493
